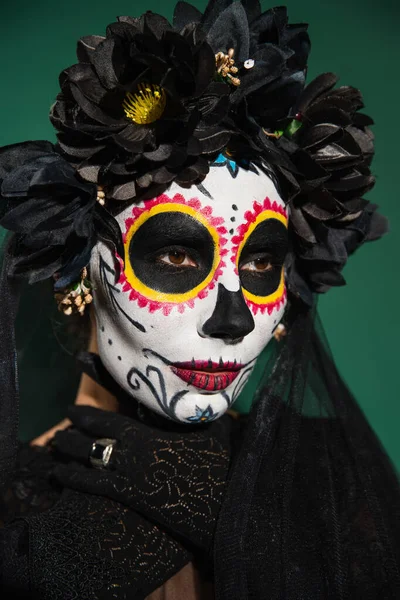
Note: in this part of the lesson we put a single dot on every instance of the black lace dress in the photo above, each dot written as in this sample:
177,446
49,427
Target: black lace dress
62,543
67,544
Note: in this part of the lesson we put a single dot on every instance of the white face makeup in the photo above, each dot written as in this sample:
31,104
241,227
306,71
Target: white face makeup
200,295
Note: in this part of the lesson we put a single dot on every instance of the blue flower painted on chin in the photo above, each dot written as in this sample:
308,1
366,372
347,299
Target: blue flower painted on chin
202,416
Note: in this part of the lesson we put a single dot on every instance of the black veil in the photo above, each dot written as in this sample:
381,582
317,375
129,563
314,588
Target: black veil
313,505
39,373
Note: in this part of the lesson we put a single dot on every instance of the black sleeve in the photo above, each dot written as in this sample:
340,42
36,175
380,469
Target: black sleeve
65,544
14,561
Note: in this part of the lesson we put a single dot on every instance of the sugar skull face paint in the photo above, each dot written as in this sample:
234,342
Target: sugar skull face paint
200,295
267,221
157,237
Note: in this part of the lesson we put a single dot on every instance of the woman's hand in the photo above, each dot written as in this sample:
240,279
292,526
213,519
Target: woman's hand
175,479
47,436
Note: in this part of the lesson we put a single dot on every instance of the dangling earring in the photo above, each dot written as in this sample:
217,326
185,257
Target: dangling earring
280,332
101,197
74,299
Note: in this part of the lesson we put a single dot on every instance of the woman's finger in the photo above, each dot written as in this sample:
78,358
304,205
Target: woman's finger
99,423
46,437
73,444
89,480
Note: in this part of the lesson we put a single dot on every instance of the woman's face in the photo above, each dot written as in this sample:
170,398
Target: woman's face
200,295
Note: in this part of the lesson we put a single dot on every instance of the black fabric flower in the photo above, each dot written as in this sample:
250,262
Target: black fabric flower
101,112
54,214
271,56
332,149
145,105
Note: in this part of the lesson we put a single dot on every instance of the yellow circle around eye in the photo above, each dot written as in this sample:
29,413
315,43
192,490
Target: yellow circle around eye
264,216
271,297
156,295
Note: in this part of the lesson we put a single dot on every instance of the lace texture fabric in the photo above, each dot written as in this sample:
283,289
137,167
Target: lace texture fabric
175,478
72,545
90,547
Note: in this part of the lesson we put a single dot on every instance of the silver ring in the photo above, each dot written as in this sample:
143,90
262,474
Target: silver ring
100,452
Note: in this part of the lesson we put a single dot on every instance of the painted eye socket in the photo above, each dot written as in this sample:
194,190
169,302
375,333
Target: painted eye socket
258,265
177,258
260,260
171,253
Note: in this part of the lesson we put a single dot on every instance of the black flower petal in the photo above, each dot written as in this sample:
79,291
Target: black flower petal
184,14
201,114
332,151
231,30
53,213
86,46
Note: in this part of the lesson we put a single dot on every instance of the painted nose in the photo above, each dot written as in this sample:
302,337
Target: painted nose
231,318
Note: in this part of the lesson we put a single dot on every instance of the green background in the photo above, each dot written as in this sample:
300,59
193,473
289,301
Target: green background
356,39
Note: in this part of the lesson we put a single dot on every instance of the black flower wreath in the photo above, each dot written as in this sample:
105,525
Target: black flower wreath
154,102
151,102
142,106
332,148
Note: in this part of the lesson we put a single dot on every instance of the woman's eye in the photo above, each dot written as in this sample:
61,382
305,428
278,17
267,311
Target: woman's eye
177,258
260,265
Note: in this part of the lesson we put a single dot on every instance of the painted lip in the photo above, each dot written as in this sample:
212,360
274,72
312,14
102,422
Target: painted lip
206,374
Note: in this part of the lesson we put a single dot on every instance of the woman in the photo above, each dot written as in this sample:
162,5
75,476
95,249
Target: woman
202,195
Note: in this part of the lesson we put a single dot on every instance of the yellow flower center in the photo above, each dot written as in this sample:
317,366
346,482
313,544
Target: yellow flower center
146,105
